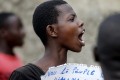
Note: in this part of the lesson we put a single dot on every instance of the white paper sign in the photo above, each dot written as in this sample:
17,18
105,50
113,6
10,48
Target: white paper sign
73,71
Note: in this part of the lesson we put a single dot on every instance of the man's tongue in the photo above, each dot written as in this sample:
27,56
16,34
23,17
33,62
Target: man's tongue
82,41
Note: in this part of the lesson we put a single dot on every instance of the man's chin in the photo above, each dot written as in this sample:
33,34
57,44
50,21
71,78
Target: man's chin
77,50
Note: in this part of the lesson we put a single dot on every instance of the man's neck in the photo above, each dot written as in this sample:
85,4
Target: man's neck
54,56
4,48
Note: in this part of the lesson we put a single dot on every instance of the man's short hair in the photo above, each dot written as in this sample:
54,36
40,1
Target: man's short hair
109,36
3,17
45,14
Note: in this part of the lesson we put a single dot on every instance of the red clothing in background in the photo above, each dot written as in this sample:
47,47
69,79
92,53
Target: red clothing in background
8,64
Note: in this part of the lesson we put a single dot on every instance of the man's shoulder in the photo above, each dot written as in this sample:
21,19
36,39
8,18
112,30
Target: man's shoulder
24,69
30,69
27,72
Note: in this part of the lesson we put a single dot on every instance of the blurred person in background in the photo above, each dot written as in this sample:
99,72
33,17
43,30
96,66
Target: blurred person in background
59,29
107,50
11,36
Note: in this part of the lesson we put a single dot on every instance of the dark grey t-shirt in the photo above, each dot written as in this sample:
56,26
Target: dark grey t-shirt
27,72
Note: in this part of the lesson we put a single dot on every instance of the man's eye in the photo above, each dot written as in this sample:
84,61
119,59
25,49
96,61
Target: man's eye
72,19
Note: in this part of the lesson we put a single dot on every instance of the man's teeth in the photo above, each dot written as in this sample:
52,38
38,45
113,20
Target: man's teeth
83,31
82,41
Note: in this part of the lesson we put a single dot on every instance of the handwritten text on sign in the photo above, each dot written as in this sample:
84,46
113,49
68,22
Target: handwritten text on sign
73,72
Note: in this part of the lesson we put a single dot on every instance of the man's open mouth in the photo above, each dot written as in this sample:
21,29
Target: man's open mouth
80,38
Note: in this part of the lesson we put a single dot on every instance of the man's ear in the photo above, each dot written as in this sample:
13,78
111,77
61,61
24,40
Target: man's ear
95,54
52,30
